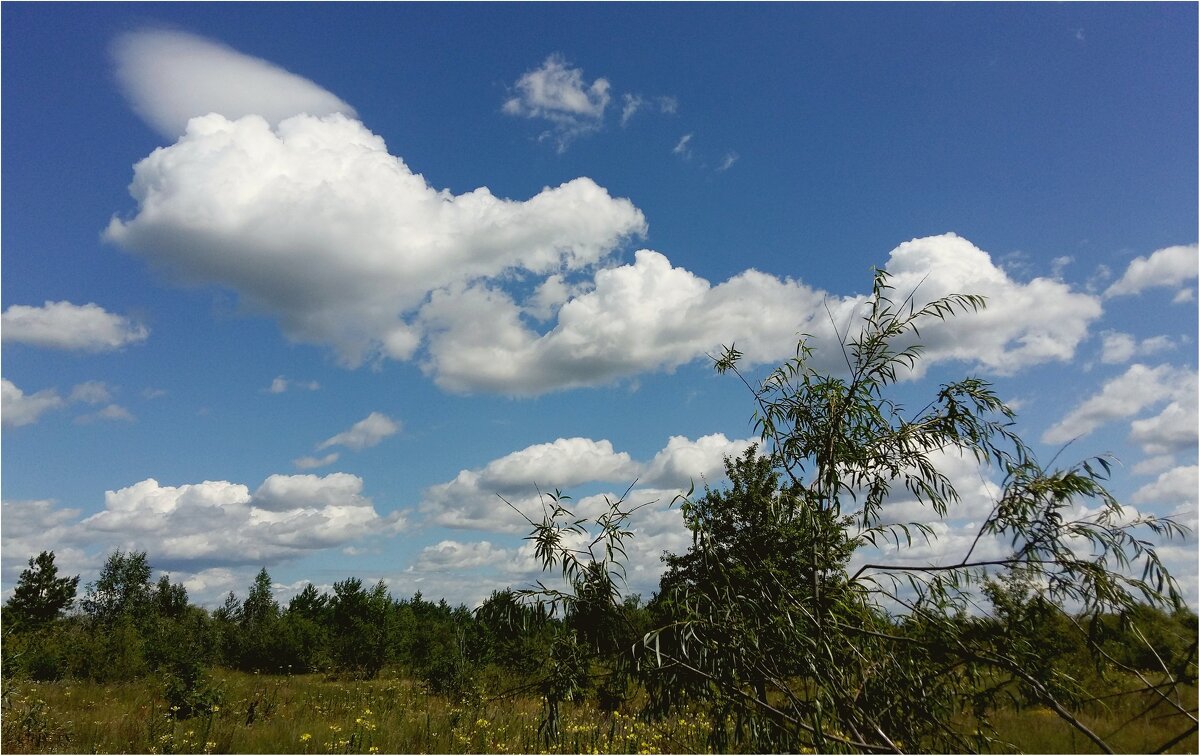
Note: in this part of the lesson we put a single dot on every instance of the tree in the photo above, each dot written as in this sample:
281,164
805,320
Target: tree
122,590
260,607
820,644
40,596
362,627
170,600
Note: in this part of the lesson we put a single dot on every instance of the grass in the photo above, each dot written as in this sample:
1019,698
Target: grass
315,714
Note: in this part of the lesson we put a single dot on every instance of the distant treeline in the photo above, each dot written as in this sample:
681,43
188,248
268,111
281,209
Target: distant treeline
126,626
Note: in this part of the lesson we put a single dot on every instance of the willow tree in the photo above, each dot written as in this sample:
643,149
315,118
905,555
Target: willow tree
786,622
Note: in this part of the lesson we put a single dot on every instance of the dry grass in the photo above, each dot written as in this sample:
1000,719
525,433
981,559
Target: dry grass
313,714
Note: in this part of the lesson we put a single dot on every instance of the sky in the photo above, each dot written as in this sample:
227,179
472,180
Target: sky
320,287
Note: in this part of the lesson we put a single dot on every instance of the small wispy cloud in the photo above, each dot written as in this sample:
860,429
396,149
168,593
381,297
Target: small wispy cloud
309,463
633,103
727,162
281,384
681,147
110,413
91,392
364,434
557,93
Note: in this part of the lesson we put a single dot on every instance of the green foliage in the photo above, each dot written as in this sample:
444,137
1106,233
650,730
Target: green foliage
512,634
190,691
362,627
169,600
122,590
40,596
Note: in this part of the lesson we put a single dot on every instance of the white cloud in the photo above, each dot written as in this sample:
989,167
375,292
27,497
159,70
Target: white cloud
31,527
364,434
632,103
681,147
218,523
1138,388
91,392
170,77
211,583
650,315
62,325
202,529
556,92
1168,267
472,499
447,556
562,463
111,412
280,384
1058,265
279,493
1024,323
19,409
727,162
1117,347
1154,465
315,223
1175,487
309,463
1175,428
684,462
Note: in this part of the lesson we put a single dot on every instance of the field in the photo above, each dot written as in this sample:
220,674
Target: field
315,714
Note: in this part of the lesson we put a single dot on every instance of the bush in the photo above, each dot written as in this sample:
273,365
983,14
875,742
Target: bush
190,691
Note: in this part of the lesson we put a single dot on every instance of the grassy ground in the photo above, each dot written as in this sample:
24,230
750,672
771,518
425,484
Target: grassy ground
311,714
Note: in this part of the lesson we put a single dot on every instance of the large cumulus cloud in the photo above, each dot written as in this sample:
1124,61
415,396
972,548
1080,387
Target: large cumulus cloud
472,499
307,215
652,315
206,525
316,223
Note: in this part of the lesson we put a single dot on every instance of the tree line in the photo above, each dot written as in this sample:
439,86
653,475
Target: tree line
125,626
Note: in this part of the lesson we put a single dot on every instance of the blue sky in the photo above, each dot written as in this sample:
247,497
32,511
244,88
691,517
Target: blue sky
307,286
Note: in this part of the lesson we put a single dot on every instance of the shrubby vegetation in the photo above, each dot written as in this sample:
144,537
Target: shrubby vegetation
780,628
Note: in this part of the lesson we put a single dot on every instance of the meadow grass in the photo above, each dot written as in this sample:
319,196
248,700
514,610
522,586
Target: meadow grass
393,714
